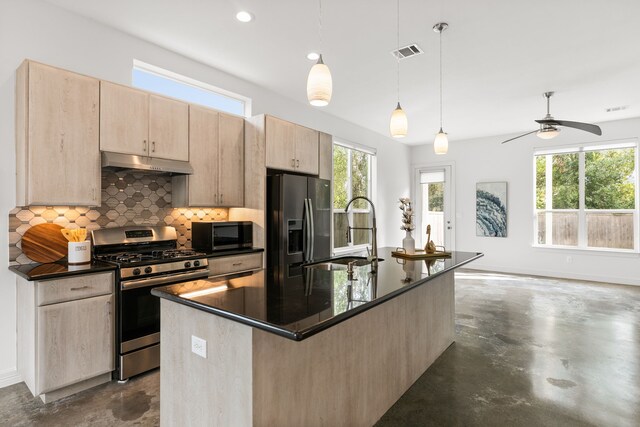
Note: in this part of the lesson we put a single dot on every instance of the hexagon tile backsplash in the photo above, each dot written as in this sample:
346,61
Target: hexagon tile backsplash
128,198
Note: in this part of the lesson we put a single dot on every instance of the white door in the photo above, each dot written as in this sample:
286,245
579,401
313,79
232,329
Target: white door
434,206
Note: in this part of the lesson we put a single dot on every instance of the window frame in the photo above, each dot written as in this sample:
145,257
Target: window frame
371,190
582,211
188,81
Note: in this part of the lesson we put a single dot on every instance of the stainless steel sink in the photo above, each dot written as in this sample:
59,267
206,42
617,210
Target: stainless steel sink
341,263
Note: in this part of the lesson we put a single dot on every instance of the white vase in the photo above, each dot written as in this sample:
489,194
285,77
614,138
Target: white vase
409,243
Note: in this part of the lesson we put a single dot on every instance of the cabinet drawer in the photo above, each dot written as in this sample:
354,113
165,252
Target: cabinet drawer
73,288
234,264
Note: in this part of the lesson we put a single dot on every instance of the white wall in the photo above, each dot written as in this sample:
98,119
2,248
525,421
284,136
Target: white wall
486,160
42,32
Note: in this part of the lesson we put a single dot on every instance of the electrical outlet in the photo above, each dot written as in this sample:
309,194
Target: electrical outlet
199,346
569,260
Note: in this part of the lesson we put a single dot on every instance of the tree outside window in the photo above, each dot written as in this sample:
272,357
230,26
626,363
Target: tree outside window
587,198
351,178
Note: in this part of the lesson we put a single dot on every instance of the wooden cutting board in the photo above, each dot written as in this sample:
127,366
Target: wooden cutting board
44,243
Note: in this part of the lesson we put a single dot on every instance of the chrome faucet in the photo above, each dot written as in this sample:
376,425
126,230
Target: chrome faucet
373,258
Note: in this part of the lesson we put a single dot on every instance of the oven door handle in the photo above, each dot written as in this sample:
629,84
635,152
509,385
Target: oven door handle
165,279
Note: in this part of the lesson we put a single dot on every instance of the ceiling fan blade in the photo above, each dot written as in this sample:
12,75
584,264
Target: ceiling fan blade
587,127
520,136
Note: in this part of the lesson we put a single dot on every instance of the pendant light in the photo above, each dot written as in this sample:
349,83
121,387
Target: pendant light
398,124
441,143
319,82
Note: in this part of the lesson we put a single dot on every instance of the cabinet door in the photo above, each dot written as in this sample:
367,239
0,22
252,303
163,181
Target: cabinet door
306,150
62,146
74,341
124,119
231,161
203,151
280,146
325,168
168,128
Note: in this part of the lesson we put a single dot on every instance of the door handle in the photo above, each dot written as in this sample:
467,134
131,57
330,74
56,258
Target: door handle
312,230
153,146
144,146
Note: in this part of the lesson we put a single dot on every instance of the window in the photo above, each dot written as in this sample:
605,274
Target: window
587,197
158,80
432,189
353,170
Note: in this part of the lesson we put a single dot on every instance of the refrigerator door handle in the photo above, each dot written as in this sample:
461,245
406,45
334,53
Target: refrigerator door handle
305,233
312,231
309,228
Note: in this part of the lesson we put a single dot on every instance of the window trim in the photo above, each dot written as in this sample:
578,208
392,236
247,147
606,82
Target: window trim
372,172
582,211
161,72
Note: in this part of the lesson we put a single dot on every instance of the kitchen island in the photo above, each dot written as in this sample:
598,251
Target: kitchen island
329,348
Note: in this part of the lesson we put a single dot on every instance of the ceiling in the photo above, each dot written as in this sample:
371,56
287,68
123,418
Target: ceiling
499,55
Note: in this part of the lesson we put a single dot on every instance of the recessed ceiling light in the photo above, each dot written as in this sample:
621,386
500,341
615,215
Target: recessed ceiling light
244,16
313,56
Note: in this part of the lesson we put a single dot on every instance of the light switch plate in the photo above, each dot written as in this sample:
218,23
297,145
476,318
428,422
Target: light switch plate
199,346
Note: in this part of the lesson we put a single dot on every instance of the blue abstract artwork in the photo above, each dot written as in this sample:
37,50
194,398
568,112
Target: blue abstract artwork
491,209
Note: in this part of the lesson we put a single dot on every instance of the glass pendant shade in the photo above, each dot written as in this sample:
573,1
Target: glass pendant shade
398,125
548,133
319,84
441,143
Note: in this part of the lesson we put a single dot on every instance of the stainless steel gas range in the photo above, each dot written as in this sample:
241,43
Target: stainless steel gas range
146,257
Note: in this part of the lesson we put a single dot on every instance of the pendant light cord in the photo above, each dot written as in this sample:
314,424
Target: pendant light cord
320,25
398,49
441,80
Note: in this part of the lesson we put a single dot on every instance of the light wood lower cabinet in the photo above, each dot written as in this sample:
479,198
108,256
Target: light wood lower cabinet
57,131
220,266
66,346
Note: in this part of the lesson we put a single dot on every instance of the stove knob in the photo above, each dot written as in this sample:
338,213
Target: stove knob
148,270
136,271
196,263
187,264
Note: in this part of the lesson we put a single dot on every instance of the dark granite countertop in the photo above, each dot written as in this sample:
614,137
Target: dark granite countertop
231,252
56,270
312,302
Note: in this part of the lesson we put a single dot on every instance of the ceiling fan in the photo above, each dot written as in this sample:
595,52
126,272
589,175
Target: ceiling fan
549,125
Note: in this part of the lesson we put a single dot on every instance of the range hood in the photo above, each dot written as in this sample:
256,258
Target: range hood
119,161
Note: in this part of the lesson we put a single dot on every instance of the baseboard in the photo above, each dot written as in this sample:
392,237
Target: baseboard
557,274
9,377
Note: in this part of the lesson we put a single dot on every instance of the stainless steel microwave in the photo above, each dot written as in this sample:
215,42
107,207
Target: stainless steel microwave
212,236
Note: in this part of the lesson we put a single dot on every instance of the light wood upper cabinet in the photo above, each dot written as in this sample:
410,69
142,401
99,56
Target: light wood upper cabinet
168,128
124,119
57,131
290,146
136,122
326,156
280,147
231,161
216,144
306,150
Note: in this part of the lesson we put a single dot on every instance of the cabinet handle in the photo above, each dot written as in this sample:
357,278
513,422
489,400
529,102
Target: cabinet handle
236,264
153,146
297,163
109,308
144,146
221,202
80,288
93,194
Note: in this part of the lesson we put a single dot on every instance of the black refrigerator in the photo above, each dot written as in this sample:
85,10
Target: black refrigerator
298,225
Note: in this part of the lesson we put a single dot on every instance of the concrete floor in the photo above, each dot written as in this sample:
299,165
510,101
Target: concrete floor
528,352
